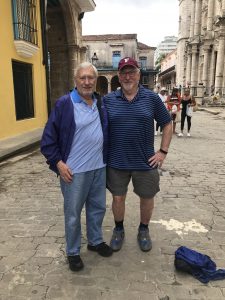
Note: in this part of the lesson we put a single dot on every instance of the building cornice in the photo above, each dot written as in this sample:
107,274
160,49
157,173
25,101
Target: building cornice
86,5
169,70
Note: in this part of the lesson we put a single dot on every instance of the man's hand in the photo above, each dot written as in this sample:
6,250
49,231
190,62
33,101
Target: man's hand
157,159
64,171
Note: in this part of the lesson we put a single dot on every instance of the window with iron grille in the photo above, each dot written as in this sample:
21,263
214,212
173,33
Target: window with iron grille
116,56
24,20
23,90
143,62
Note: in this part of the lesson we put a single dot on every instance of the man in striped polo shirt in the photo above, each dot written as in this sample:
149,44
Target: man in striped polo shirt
131,112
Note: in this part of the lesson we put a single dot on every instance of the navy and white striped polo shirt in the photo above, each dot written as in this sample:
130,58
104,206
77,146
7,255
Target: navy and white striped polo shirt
131,128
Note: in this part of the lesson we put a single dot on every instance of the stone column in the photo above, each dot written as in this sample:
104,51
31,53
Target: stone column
83,51
109,84
212,69
72,63
188,69
205,66
198,8
223,7
192,18
194,67
210,15
220,56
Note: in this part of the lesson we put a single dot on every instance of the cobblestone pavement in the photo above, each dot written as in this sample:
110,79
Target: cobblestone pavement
189,211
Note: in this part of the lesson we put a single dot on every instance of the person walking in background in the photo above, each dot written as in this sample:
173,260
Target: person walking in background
187,102
74,143
163,97
173,104
132,111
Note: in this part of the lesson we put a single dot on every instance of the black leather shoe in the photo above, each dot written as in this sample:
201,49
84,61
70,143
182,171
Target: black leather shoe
75,263
103,249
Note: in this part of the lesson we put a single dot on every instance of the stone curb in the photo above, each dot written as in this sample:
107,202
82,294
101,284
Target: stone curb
209,111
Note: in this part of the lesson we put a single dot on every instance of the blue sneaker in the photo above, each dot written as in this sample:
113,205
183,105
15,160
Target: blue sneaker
117,239
144,239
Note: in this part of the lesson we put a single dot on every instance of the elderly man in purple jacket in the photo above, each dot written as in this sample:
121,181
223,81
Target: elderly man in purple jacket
74,143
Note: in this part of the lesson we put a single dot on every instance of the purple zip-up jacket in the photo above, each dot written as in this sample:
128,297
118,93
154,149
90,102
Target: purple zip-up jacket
60,128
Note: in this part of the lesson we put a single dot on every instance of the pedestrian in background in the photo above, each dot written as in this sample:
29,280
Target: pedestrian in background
132,111
163,97
74,143
173,104
187,102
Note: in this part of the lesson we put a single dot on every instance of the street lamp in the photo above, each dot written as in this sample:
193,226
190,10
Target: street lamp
94,59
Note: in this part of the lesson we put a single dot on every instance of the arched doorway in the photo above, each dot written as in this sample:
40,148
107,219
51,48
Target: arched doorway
64,47
102,85
115,83
58,52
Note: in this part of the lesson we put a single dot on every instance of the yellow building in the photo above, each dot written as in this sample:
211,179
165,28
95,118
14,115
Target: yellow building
40,46
23,96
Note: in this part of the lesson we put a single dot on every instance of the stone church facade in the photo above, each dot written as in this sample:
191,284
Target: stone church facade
201,47
105,52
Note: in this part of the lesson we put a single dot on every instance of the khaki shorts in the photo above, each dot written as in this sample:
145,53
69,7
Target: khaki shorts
145,183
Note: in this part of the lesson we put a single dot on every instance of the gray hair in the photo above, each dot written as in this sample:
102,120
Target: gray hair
85,65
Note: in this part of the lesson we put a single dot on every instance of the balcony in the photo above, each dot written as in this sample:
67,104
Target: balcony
25,49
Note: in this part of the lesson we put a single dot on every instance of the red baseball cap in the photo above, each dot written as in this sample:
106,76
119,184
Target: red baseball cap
127,61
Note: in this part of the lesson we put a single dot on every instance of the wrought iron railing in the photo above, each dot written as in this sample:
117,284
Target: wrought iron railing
25,21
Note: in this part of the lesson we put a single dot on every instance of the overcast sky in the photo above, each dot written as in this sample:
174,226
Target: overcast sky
152,20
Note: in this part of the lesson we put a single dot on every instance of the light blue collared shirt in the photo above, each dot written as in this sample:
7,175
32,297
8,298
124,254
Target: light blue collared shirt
87,146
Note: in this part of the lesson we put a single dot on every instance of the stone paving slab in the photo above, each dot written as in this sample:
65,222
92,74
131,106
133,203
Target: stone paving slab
189,210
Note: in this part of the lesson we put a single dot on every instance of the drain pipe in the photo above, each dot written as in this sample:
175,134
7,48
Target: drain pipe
43,11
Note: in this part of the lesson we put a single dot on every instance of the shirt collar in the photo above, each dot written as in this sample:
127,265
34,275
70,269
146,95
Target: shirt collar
76,98
119,93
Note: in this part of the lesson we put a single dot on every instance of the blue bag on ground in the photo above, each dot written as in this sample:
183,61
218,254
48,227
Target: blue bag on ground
197,264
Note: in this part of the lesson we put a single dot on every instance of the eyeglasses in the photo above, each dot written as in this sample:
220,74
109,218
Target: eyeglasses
89,78
131,73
